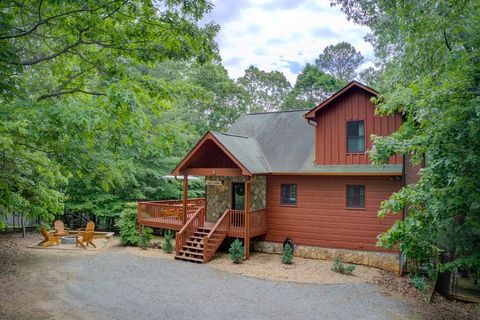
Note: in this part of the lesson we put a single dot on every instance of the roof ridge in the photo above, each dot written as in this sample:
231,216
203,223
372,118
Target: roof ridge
279,111
233,135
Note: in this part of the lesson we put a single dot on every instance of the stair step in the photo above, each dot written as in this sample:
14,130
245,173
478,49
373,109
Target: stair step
203,229
192,248
190,259
198,233
195,237
195,242
200,254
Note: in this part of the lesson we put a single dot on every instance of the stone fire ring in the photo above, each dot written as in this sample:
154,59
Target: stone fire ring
68,239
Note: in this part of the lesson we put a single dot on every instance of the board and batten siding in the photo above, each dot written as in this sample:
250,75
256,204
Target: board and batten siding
331,131
321,218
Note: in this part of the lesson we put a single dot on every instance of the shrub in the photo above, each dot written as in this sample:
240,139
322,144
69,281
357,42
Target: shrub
128,225
343,268
168,242
236,251
37,227
419,282
287,256
145,238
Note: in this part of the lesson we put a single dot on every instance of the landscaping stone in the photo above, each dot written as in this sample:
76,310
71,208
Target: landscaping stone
385,261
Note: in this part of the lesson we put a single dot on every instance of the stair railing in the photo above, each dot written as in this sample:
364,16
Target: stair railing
195,222
215,237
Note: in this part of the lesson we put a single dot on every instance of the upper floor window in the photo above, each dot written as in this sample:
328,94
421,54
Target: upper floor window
288,194
355,196
355,137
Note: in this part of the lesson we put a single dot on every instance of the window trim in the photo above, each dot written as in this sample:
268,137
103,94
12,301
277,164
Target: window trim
364,139
364,197
296,196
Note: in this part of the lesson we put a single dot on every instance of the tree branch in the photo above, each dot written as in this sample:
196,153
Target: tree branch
42,22
64,92
446,40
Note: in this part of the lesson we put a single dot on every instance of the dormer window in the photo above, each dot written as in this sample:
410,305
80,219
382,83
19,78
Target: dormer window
355,137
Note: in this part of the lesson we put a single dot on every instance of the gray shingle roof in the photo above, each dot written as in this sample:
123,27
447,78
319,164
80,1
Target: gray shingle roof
277,142
244,149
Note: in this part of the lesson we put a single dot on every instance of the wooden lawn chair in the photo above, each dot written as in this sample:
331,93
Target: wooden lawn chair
60,228
86,237
48,238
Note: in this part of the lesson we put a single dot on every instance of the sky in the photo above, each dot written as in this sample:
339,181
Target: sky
281,35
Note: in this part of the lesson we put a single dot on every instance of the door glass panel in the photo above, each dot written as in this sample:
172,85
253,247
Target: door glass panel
238,196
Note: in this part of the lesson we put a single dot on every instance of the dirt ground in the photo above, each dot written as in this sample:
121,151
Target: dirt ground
20,286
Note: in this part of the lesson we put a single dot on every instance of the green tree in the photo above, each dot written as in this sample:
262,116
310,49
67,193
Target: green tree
312,87
429,53
210,101
79,111
267,90
340,60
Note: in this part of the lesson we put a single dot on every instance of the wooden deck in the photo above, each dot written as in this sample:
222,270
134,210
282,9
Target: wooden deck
197,240
168,215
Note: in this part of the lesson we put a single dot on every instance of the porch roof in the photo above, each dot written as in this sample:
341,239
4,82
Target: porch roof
219,153
246,150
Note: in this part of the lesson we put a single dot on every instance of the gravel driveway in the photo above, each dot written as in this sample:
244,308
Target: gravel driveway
119,285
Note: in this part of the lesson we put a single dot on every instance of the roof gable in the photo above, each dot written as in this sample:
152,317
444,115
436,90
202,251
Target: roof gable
311,115
223,150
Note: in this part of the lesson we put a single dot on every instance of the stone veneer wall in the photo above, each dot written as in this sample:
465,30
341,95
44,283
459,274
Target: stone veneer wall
385,261
258,192
219,198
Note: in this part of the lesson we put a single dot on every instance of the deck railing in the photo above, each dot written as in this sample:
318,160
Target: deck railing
195,222
167,213
237,223
214,239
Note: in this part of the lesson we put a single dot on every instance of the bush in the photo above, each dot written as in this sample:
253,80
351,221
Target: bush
128,225
236,251
145,238
287,256
343,268
419,282
168,242
37,227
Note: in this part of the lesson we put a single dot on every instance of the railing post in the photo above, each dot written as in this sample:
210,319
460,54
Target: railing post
247,218
139,220
185,199
206,251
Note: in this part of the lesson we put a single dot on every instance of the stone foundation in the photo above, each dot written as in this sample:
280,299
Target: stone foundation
385,261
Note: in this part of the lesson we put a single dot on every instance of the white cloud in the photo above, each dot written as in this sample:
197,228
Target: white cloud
280,35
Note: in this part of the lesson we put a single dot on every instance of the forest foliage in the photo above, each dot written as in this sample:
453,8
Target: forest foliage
428,53
100,99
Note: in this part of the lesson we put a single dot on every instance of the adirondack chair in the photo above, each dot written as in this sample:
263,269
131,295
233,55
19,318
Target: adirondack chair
86,237
60,228
48,238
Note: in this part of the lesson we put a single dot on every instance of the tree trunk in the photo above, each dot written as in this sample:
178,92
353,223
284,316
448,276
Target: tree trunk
23,225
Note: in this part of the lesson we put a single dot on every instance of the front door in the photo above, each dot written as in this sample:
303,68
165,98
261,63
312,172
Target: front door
238,196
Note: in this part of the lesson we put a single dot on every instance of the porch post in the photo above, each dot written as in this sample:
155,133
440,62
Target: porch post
185,198
247,218
139,217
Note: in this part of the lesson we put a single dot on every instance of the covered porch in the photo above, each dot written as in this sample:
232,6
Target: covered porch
234,203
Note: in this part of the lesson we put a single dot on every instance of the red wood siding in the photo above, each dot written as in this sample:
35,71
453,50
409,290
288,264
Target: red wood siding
320,217
411,172
331,128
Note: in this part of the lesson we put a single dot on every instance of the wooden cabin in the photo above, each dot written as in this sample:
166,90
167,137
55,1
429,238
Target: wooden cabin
303,175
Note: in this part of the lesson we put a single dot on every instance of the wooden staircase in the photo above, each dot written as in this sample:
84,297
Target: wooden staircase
193,250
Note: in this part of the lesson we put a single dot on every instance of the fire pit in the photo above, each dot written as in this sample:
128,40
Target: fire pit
68,239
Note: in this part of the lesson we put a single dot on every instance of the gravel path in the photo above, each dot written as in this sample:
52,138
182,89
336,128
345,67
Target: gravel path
118,285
